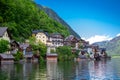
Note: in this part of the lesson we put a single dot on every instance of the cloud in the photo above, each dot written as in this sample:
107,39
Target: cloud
118,34
98,38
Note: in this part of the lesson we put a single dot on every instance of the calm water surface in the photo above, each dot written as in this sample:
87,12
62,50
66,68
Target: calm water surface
82,70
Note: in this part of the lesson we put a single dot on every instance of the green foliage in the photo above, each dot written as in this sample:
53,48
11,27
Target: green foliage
64,53
32,40
77,53
52,51
4,46
3,75
39,49
23,16
1,19
18,56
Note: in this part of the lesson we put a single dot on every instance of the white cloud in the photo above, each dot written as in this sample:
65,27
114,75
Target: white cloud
98,38
118,34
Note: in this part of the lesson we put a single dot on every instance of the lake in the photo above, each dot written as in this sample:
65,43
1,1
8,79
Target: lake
67,70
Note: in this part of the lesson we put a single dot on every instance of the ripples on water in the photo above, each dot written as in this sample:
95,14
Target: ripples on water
82,70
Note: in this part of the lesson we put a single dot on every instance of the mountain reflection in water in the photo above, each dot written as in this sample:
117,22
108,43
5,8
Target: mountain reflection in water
68,70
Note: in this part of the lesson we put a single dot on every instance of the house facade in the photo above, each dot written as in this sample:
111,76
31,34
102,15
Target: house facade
14,46
56,39
4,34
26,48
71,41
40,36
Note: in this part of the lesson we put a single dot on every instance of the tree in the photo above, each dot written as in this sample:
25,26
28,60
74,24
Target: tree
64,53
4,46
38,48
18,56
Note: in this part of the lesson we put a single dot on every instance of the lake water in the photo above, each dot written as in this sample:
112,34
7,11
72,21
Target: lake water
82,70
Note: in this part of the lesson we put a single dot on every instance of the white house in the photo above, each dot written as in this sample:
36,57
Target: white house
40,36
56,39
4,33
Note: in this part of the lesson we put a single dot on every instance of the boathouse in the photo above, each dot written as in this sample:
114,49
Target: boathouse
6,58
28,57
52,57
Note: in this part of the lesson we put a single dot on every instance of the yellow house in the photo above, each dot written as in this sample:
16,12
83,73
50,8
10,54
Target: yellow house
40,36
4,33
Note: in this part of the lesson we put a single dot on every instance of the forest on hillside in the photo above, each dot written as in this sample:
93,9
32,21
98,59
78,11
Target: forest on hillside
23,16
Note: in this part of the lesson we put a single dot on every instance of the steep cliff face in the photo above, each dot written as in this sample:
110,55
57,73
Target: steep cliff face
56,17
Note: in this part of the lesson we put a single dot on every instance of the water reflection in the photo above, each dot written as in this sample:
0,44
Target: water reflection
53,71
22,71
100,70
82,70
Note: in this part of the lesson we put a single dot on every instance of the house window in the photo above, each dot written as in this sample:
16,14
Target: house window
36,36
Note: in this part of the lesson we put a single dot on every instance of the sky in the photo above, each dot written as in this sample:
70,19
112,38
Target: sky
93,20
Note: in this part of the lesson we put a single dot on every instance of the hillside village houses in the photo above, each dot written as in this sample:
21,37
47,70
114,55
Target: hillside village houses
51,41
13,45
4,34
40,36
54,39
71,41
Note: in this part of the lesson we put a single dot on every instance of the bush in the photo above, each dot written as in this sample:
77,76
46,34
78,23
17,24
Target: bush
18,56
65,53
52,51
39,50
4,46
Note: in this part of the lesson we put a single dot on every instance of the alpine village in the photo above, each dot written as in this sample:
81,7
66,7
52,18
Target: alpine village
43,46
29,34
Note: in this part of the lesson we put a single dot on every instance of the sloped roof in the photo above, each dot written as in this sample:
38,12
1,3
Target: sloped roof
2,31
6,56
28,55
54,54
24,45
69,38
56,35
13,41
38,31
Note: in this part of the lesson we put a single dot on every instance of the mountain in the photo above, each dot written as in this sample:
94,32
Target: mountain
55,16
112,46
23,16
101,44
